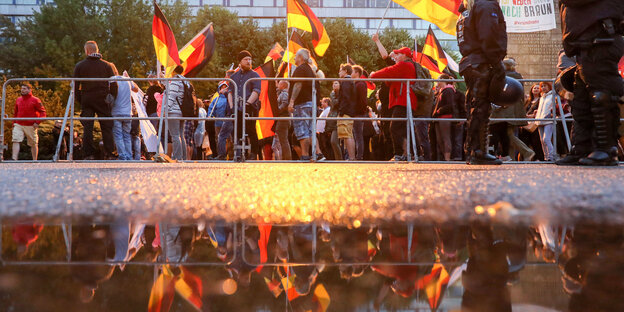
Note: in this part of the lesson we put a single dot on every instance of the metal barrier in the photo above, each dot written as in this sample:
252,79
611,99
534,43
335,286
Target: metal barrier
240,147
69,111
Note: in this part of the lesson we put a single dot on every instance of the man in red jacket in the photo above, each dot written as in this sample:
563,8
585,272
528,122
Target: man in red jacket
27,106
403,68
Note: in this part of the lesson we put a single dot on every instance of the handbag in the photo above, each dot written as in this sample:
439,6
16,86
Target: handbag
530,127
110,101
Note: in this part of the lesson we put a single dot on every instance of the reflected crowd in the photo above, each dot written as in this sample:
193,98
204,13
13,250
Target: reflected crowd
218,266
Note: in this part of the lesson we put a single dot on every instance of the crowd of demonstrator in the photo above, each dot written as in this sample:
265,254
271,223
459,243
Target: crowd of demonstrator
363,139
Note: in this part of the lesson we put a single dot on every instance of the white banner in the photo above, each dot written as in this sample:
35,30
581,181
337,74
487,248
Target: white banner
523,16
150,135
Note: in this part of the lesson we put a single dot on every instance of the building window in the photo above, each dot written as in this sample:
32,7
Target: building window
28,2
358,23
213,2
333,3
264,22
374,23
193,2
6,1
240,2
403,23
318,3
264,3
355,3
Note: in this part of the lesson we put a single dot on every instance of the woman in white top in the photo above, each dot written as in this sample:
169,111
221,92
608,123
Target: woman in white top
198,136
545,128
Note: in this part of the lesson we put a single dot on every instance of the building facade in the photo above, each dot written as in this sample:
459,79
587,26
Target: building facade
363,14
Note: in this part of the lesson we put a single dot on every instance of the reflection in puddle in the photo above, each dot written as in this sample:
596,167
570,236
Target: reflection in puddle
216,266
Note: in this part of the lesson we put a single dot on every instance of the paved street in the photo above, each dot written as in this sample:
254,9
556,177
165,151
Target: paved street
337,193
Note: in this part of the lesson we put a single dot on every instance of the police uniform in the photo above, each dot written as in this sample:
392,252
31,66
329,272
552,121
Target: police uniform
482,39
592,32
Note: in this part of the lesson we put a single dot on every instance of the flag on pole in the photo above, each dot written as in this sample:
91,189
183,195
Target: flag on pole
164,41
442,13
433,49
288,283
294,44
276,53
300,16
268,101
198,52
426,62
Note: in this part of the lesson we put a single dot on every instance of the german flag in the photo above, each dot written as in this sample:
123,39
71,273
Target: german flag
433,49
321,297
276,53
268,101
288,283
198,52
426,62
263,242
442,13
164,41
294,44
301,17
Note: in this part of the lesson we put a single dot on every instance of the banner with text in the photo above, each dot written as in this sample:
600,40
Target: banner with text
524,16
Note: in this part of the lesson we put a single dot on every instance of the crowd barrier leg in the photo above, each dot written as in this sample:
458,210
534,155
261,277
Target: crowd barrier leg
70,155
65,117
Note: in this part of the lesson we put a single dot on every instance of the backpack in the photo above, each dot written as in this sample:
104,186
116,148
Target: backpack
422,89
188,106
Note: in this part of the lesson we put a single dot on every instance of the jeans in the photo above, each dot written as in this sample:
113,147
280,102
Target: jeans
546,133
122,137
224,134
358,136
281,129
136,147
176,130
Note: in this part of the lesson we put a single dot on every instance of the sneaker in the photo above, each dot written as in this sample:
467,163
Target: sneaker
320,157
569,160
399,158
600,158
505,159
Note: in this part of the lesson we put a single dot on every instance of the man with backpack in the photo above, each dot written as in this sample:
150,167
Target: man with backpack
403,69
180,103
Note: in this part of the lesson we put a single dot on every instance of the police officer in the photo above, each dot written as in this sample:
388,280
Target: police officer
592,31
482,38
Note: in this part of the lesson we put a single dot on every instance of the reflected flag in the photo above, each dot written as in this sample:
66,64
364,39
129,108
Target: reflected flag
434,285
263,243
275,286
433,49
300,16
442,13
321,297
288,282
621,67
164,41
189,286
161,296
268,101
198,52
276,53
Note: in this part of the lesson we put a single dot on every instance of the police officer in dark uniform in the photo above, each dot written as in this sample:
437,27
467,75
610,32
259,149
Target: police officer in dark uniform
592,31
482,38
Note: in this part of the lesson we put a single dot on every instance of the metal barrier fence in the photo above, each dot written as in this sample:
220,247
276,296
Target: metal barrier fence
69,110
239,250
240,147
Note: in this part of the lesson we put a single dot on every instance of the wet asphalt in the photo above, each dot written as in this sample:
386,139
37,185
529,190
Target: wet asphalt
323,192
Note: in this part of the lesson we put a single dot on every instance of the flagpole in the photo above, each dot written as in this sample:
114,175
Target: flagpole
384,16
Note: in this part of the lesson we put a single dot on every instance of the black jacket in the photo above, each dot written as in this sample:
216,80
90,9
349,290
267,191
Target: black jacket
581,20
482,34
93,67
347,99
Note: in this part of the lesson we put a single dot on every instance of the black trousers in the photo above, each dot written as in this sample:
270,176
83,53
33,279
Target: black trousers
597,71
398,129
250,131
478,79
212,137
93,104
